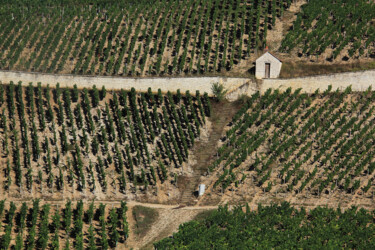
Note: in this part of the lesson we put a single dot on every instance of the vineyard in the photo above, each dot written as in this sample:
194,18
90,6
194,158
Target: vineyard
60,143
281,227
94,168
72,226
133,38
299,144
340,29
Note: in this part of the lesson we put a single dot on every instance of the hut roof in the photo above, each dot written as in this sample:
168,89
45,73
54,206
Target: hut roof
268,53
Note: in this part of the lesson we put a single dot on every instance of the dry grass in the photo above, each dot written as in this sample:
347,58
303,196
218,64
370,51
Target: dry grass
300,69
143,217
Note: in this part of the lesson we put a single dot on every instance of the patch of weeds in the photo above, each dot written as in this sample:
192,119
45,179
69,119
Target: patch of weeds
144,217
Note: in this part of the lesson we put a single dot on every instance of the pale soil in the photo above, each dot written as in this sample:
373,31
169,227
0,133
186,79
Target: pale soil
170,218
277,33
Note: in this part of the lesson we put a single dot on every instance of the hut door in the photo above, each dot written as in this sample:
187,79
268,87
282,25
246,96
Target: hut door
268,69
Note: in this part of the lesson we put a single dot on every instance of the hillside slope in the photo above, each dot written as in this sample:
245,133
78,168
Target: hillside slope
333,31
131,38
89,144
306,149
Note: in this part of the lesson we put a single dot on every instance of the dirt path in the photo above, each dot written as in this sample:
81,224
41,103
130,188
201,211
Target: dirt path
115,202
278,32
204,150
172,84
170,207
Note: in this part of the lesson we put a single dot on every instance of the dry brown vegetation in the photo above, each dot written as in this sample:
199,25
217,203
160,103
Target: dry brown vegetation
301,69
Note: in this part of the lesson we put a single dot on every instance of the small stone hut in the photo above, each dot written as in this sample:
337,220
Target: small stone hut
267,66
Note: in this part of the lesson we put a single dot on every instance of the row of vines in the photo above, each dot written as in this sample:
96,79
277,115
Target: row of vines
133,37
276,227
293,142
93,141
73,226
343,28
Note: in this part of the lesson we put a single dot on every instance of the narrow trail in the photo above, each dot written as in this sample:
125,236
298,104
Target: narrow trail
174,207
116,202
193,83
205,150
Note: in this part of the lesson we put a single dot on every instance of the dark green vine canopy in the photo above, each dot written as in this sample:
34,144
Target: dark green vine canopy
276,226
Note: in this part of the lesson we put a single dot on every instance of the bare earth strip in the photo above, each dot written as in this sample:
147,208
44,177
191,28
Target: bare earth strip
203,84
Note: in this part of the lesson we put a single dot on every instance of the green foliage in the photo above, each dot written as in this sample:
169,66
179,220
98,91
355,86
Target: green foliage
208,108
325,25
87,140
92,244
276,138
43,228
219,91
75,94
114,233
95,96
221,34
103,239
103,93
6,238
46,229
56,227
275,226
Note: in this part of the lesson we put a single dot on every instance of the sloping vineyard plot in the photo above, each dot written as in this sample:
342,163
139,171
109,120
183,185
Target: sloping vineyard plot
288,142
342,29
71,226
57,142
276,226
133,37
